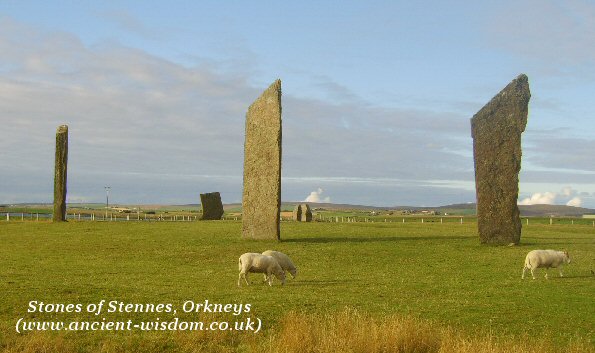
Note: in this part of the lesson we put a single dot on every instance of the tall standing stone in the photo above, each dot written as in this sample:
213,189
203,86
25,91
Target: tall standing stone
306,213
496,131
302,213
297,213
60,171
261,199
212,207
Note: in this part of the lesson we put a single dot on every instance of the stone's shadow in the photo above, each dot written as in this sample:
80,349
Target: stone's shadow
530,243
369,239
571,277
317,283
561,238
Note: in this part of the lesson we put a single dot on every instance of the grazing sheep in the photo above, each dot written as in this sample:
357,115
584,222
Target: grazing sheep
258,263
284,261
545,258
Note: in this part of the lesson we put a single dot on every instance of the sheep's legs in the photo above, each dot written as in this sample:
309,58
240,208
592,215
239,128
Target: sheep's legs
270,279
242,274
533,273
546,277
560,269
524,270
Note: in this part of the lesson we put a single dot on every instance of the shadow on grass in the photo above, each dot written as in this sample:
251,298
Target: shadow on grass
317,283
551,244
371,239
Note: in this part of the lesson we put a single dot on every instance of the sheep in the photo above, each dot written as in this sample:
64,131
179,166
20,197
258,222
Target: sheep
284,261
258,263
547,259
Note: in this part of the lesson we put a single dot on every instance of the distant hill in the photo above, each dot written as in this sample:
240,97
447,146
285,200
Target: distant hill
454,209
460,209
554,210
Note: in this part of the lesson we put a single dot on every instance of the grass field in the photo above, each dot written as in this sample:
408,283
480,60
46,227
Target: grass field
358,283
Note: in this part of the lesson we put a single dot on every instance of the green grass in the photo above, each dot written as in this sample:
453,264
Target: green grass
431,271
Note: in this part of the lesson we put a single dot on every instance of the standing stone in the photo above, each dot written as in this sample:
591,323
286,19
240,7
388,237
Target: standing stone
261,200
297,212
60,165
302,213
306,213
212,207
496,131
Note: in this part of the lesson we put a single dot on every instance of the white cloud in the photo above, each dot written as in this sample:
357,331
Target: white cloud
315,196
546,198
567,195
575,201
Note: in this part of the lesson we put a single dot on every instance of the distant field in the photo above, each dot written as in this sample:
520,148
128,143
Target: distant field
435,277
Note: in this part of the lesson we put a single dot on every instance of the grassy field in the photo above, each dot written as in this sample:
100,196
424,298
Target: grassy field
358,283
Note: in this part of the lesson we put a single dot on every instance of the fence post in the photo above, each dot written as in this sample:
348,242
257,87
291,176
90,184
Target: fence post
7,217
461,220
422,220
22,216
551,221
527,221
37,217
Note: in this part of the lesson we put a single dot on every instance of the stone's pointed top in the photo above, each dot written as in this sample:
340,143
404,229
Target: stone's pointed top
515,96
275,86
62,128
520,84
272,96
522,77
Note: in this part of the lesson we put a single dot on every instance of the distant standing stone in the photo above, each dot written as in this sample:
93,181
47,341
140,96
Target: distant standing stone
212,207
60,172
302,213
297,212
261,199
306,213
496,130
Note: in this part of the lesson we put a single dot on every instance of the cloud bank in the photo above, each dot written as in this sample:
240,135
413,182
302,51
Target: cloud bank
568,196
158,131
316,196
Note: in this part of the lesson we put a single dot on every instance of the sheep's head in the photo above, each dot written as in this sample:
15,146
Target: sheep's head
280,274
567,259
293,272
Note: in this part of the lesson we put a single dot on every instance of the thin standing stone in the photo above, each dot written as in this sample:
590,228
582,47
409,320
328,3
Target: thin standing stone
60,172
496,130
261,199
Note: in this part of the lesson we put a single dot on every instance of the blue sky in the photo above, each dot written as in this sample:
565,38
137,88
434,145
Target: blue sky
377,97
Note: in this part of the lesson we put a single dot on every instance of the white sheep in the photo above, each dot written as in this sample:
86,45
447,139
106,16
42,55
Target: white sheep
284,261
545,258
258,263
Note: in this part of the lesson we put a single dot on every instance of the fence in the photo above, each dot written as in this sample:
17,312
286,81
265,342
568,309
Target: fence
162,217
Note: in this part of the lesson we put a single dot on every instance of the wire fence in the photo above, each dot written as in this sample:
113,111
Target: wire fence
164,217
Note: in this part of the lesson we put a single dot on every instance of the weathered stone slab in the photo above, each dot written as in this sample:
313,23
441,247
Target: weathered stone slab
261,199
496,130
212,207
60,171
302,213
297,212
306,213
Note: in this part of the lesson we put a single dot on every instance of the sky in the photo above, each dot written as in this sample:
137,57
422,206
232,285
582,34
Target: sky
376,96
